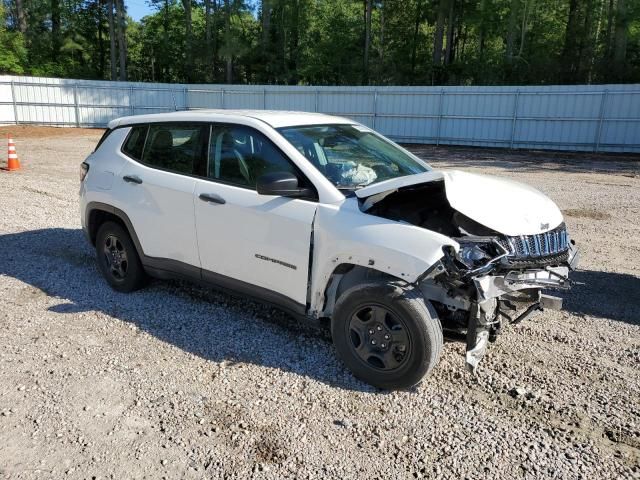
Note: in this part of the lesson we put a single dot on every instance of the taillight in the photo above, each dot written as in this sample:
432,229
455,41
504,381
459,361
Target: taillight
84,169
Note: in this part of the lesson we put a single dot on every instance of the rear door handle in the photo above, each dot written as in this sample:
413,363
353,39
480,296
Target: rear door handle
212,198
132,179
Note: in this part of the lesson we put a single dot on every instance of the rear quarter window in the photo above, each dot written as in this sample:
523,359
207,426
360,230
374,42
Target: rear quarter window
134,144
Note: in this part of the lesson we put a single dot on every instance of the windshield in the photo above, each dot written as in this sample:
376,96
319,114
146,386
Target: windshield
351,156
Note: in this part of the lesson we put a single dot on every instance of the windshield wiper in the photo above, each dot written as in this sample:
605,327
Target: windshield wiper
351,187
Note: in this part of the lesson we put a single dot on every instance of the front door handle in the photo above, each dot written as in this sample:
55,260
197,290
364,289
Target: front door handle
132,179
212,198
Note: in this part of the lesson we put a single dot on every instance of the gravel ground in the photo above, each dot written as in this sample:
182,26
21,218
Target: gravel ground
176,381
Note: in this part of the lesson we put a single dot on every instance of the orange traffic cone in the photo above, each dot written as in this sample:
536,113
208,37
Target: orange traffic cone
13,163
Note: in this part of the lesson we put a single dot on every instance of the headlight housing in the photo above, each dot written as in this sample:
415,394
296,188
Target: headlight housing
473,255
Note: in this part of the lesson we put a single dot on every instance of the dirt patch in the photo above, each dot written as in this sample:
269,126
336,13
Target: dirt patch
32,131
586,213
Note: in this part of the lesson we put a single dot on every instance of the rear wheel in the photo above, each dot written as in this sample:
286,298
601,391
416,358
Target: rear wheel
118,259
387,335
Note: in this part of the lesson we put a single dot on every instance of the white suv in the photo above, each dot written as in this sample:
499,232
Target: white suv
326,219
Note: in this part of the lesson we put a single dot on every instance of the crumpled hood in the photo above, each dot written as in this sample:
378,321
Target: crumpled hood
503,205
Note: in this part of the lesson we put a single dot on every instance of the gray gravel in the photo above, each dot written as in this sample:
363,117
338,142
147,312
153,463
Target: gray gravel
177,381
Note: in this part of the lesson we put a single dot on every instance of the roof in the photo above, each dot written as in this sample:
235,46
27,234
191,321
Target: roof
275,118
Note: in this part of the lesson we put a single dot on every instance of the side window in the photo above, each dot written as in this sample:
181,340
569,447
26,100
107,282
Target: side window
239,155
134,144
176,147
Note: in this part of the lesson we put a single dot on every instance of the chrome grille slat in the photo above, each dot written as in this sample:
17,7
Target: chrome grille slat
539,245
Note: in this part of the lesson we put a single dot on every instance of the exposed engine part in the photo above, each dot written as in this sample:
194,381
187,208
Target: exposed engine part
477,338
544,302
408,205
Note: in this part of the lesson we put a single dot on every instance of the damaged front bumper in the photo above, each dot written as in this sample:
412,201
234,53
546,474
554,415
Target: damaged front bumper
502,295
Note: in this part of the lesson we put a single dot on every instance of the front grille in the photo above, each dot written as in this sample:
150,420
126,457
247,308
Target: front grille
541,245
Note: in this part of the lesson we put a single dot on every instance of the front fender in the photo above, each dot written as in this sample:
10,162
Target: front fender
344,234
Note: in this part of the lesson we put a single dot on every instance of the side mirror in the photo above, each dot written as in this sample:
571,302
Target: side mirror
283,184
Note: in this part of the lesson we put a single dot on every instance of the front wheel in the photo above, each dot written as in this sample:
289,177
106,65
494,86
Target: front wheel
387,335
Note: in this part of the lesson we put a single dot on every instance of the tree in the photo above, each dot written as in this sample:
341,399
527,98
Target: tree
13,53
620,41
368,8
327,42
112,40
122,42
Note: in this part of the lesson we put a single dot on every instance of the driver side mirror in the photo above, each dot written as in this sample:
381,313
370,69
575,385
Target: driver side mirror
283,184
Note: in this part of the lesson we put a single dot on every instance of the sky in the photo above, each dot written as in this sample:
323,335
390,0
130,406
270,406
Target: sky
137,9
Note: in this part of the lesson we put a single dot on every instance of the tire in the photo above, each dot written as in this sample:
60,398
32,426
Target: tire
128,275
387,335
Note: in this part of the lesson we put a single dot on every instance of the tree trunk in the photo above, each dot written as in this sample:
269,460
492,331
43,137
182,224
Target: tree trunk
266,25
525,23
227,32
511,31
482,29
368,7
209,38
448,54
610,17
22,16
165,65
570,53
416,28
122,42
292,67
381,52
585,43
620,40
112,40
188,56
438,36
101,53
55,29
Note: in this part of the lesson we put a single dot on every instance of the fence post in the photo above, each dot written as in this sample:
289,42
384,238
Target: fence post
15,106
317,99
222,98
603,102
173,97
515,118
264,98
75,103
439,116
375,107
185,97
132,108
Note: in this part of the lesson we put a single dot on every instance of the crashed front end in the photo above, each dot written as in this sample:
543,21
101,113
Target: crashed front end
495,279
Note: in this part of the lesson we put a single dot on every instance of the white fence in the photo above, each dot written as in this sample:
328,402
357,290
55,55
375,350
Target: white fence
586,117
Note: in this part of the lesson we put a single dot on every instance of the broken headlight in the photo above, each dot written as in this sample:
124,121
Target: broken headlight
478,252
473,255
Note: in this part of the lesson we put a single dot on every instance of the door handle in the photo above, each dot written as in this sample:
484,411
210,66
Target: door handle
132,179
212,198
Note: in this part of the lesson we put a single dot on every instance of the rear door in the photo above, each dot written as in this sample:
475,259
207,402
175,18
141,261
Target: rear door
247,239
156,187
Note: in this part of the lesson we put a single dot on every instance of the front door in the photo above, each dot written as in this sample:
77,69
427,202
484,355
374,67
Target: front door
246,239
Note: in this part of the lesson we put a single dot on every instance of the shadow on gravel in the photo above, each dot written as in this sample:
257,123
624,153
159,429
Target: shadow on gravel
605,294
204,322
529,160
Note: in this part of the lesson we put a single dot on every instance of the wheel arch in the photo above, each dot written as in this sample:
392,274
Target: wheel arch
97,213
346,275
